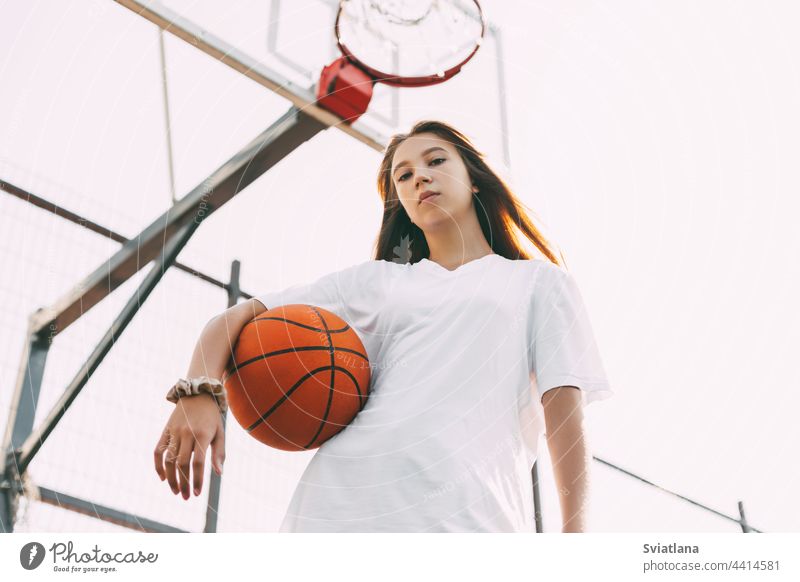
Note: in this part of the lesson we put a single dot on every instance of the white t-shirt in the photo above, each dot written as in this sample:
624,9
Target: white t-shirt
450,431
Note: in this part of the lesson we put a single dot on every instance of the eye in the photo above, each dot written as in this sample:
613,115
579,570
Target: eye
433,162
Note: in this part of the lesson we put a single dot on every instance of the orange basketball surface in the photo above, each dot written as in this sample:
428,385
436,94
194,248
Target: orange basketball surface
300,376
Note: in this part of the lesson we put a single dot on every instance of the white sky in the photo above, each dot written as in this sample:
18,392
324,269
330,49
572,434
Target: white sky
658,143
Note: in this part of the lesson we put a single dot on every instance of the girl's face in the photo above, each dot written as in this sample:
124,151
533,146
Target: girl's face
427,163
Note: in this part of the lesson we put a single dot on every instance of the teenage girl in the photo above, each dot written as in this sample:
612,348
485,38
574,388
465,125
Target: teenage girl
471,341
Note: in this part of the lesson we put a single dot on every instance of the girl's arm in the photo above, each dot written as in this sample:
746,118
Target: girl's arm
213,355
195,422
566,441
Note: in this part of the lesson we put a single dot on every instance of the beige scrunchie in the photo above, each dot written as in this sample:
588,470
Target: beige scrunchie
193,386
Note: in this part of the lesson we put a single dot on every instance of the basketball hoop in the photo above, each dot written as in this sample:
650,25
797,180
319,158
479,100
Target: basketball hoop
401,43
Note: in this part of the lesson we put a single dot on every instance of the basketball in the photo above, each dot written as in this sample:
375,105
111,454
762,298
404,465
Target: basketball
300,375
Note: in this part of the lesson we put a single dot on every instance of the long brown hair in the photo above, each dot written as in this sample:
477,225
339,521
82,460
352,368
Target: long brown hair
497,208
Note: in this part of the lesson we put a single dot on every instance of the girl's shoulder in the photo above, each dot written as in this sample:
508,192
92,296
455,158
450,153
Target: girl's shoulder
371,273
375,266
544,266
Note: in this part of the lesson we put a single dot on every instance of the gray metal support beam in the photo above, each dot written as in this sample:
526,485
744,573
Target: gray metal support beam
63,213
262,153
743,519
537,498
20,419
105,513
502,93
215,484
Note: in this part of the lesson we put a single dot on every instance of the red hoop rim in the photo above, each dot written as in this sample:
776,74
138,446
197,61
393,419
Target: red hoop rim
394,80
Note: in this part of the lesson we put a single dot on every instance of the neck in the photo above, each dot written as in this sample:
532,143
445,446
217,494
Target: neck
458,244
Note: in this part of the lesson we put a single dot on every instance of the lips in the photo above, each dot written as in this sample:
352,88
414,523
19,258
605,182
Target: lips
427,194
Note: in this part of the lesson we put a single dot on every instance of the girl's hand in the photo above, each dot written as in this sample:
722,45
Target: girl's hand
194,424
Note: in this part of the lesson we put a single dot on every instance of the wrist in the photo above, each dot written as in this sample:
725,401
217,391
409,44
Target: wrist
199,385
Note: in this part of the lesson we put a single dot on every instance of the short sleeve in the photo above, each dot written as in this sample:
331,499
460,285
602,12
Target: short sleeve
563,349
356,294
325,292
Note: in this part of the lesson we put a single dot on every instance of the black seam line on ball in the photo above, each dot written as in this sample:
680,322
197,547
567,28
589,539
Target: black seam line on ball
298,324
298,349
297,384
331,386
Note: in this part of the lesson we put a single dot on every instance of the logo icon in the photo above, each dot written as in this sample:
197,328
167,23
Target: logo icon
402,252
31,555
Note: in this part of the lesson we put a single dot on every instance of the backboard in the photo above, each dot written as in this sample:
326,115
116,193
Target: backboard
292,40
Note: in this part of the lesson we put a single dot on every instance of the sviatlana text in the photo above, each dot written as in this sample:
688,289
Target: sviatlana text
669,549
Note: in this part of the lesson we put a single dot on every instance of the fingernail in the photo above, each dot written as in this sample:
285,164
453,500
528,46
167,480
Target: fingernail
196,491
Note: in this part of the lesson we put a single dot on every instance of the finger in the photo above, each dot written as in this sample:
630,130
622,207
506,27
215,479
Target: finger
198,466
184,460
170,460
158,454
218,450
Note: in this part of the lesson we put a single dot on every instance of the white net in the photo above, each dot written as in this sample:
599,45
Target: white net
411,38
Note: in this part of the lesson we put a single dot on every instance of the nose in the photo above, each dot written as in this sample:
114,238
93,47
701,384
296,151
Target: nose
421,175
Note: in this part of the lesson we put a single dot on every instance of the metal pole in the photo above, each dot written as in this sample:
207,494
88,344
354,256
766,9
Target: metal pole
215,484
537,499
502,93
20,419
167,122
61,212
104,513
745,528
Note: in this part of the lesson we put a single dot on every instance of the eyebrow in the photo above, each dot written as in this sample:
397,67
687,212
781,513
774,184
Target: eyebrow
425,153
